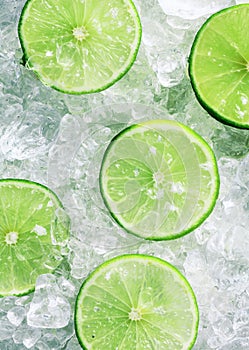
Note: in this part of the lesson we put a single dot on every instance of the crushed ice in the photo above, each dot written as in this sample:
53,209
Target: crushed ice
59,140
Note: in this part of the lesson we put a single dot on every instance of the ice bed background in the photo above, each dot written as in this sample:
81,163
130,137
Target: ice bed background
59,140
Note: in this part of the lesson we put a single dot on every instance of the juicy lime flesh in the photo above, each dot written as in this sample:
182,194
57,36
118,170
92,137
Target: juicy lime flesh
219,65
159,179
79,46
136,302
27,212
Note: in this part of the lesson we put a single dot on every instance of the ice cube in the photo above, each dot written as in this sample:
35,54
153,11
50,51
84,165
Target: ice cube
192,9
31,336
6,328
16,315
49,308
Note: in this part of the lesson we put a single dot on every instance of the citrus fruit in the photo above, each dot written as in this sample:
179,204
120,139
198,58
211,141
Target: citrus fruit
159,179
136,302
79,46
28,215
219,66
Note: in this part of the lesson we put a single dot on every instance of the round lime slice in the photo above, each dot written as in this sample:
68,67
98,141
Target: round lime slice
79,46
219,66
159,179
136,302
28,217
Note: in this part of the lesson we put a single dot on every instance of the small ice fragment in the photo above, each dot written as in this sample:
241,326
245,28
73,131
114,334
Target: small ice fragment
16,315
7,329
108,275
49,54
244,99
240,114
173,208
177,187
136,172
60,227
66,287
39,230
31,337
153,150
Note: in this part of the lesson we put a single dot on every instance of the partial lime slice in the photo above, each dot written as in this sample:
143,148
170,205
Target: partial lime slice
159,179
219,66
79,46
136,302
28,215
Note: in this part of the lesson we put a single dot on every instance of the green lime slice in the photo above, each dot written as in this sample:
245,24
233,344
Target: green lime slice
219,66
28,215
79,46
136,302
159,179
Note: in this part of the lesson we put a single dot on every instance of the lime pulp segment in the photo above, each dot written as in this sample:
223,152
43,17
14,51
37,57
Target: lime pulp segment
219,66
28,212
79,46
159,179
136,302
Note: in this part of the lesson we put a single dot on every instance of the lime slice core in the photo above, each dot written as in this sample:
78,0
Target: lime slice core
11,238
136,302
27,227
219,66
159,179
79,46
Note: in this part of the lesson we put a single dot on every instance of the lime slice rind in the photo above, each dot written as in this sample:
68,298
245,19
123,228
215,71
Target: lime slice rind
228,109
27,211
80,67
190,173
138,289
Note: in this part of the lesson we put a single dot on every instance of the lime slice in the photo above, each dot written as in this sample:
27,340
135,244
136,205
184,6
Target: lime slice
28,212
79,46
219,66
136,302
159,179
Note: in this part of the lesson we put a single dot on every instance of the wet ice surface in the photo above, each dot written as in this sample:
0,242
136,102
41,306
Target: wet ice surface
60,140
192,9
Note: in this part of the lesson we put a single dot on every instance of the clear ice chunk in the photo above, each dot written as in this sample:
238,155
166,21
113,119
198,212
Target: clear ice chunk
60,335
40,345
7,303
16,315
67,287
73,344
49,308
60,227
242,173
32,335
6,328
241,2
192,9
